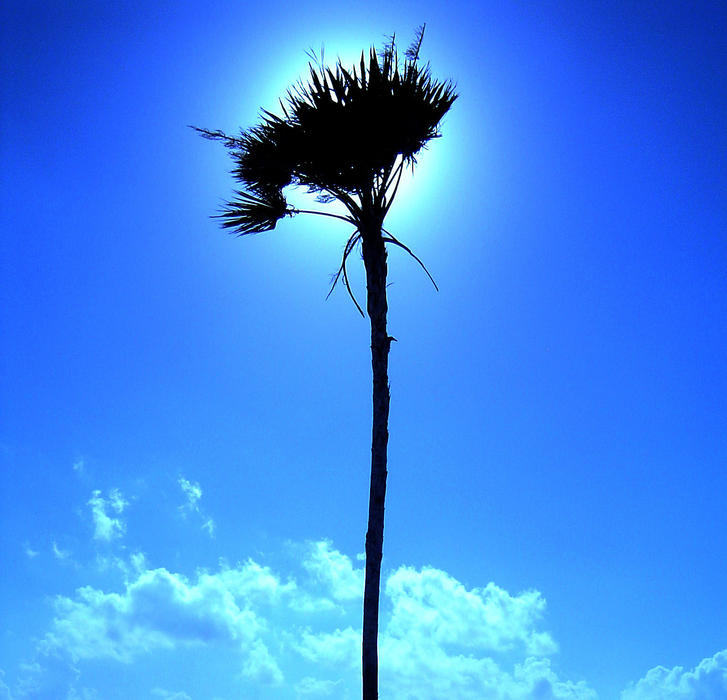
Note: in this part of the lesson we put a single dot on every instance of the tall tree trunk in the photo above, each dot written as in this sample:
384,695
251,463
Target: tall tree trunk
374,255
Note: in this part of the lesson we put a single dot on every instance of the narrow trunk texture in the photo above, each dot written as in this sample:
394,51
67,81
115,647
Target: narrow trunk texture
374,255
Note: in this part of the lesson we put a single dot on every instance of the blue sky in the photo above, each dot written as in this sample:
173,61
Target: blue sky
185,420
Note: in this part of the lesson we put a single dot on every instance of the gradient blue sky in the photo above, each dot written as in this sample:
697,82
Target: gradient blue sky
185,420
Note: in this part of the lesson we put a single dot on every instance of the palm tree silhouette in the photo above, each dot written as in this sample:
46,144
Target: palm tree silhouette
347,135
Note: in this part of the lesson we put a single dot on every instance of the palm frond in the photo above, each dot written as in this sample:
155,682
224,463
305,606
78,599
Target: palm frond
390,238
217,135
412,53
347,250
254,213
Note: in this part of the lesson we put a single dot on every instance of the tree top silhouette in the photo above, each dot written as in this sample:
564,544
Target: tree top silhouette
346,134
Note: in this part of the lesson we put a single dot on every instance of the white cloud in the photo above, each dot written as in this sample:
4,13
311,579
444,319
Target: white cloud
29,552
437,638
334,571
170,694
138,561
116,500
415,671
209,526
314,687
158,610
192,491
534,678
134,565
59,553
708,681
338,648
4,690
50,680
106,527
261,667
443,640
430,604
83,694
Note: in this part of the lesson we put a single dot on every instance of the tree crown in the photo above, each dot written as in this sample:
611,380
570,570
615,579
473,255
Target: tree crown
346,134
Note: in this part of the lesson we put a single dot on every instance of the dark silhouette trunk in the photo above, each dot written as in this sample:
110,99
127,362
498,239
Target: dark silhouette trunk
374,255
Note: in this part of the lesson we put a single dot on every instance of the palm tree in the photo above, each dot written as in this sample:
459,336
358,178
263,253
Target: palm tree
347,135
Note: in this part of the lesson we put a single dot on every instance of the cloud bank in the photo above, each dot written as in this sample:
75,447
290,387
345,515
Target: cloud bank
297,634
438,638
